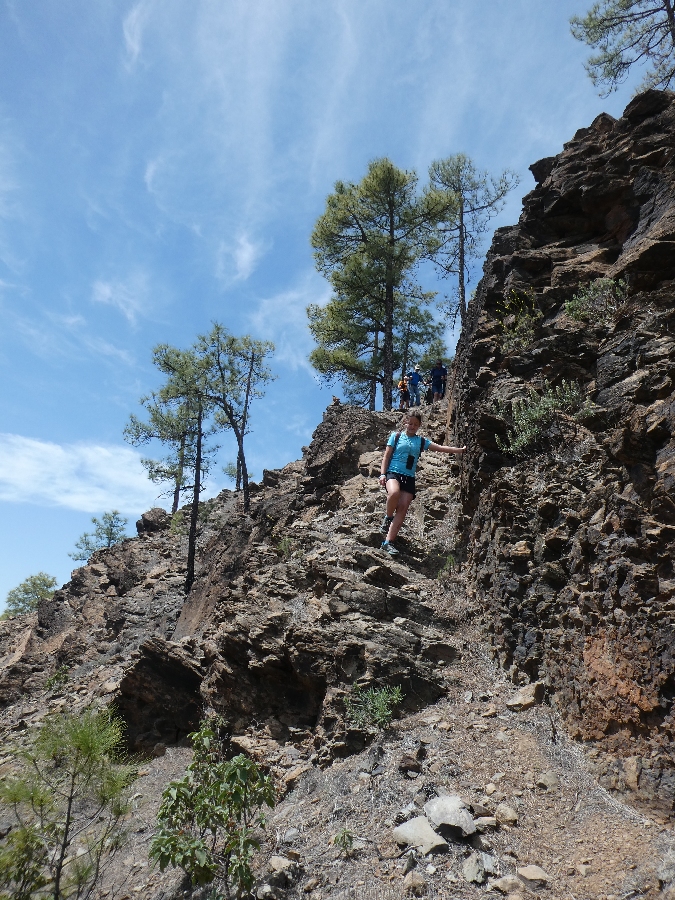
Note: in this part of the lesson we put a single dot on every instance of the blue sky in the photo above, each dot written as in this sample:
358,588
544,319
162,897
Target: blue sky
162,164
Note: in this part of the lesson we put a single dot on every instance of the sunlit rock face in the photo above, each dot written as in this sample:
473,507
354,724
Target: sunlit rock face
571,545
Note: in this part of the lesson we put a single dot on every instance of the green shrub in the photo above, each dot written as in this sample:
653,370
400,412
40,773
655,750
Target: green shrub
206,820
519,314
368,707
58,678
26,596
597,301
531,417
344,841
285,547
178,525
68,801
448,566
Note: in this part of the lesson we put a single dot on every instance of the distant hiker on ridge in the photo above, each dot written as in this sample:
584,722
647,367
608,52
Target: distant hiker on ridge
439,377
404,395
398,475
414,381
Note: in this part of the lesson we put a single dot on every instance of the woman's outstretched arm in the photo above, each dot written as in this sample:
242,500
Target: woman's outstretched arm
441,448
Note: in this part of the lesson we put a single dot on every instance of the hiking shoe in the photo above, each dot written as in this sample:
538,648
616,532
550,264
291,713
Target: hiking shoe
389,548
386,522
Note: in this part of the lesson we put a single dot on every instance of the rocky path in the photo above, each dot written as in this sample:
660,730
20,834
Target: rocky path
291,607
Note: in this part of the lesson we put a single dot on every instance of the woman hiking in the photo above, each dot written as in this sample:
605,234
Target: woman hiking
399,462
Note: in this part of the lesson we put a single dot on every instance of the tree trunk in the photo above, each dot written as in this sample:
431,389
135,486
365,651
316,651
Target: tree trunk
179,475
237,485
194,513
373,383
670,12
244,471
461,280
406,346
388,383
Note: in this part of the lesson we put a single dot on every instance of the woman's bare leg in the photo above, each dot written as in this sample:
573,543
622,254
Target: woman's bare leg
393,494
404,501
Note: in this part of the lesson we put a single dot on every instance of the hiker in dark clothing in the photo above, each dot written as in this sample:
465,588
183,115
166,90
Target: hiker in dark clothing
414,381
398,475
439,377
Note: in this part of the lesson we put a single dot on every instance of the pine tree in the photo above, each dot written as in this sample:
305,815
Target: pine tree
370,240
26,596
108,530
625,33
478,198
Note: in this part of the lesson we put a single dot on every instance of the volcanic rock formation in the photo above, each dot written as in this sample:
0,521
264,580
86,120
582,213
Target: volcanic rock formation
570,545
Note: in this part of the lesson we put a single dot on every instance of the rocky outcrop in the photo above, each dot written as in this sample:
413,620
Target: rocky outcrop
570,546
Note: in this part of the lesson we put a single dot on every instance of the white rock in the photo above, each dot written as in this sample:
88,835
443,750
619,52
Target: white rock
533,875
418,833
451,811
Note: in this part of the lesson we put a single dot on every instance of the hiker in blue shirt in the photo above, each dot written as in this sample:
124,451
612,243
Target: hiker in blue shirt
439,377
398,475
414,381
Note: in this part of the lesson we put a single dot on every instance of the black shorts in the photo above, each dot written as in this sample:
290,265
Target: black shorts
407,482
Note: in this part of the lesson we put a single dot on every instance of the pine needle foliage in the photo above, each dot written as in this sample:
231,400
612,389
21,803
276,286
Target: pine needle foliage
530,417
207,819
108,530
626,33
68,801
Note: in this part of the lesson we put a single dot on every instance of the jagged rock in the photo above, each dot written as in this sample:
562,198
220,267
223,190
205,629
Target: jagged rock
418,833
450,811
506,815
533,875
283,871
478,866
565,541
549,781
506,884
155,519
527,696
414,884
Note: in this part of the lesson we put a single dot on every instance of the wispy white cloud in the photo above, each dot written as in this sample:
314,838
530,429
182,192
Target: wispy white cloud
282,318
66,335
86,477
130,296
238,260
133,28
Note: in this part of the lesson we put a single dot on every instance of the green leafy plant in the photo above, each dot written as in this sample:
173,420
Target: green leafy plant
597,301
68,799
25,597
207,819
108,530
519,314
344,841
285,547
531,416
58,678
448,566
368,707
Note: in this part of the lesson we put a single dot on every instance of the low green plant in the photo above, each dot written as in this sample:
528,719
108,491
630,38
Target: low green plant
448,567
530,417
368,707
207,819
285,547
519,314
59,677
178,525
344,841
68,799
597,301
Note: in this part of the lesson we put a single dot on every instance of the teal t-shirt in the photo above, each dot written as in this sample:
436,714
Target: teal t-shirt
407,446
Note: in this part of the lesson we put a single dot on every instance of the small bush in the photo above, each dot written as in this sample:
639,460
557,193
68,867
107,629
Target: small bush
206,820
448,567
597,301
59,678
531,417
368,707
519,315
68,800
344,841
178,525
285,547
